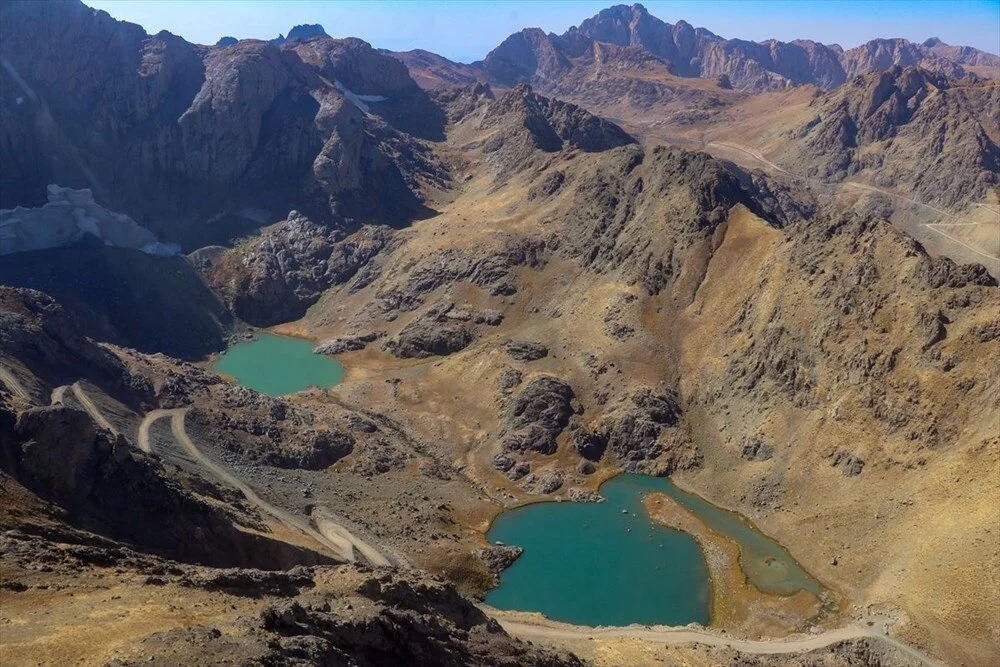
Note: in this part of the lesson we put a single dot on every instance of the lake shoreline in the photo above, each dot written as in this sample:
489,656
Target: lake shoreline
737,605
794,602
278,365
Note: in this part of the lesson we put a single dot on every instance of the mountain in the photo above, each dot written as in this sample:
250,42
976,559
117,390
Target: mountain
432,71
636,247
198,143
301,33
544,60
964,55
909,129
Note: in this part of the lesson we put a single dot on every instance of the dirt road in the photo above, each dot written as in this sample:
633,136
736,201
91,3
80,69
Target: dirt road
934,227
336,532
92,409
12,384
331,535
142,436
545,629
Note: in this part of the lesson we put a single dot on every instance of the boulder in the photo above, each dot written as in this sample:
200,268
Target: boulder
427,337
539,413
523,350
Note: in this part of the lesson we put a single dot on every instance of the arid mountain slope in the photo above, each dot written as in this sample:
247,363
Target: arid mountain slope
658,310
127,297
196,143
907,144
908,130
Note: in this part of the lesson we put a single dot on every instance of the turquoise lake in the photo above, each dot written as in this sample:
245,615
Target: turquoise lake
278,365
595,564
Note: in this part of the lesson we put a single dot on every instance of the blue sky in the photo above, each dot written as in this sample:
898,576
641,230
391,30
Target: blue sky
466,30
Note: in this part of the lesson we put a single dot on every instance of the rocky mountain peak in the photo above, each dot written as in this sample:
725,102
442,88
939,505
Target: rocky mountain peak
301,33
883,119
306,31
525,55
551,123
373,81
535,57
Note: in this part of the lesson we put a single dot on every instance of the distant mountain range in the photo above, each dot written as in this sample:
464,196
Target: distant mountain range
532,56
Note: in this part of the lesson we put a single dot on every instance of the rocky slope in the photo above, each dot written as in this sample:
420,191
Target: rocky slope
906,129
87,505
128,297
375,80
196,143
697,319
315,615
962,55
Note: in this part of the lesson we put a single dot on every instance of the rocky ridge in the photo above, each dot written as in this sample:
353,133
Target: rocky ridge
908,128
630,38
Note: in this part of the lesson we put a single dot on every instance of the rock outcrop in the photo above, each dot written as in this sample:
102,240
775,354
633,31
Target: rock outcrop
526,350
278,275
548,124
428,336
347,343
376,83
538,415
894,125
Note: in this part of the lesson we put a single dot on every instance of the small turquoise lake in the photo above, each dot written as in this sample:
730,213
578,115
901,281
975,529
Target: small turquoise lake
279,365
610,564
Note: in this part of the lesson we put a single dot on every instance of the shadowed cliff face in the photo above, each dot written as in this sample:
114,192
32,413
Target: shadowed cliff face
154,304
182,136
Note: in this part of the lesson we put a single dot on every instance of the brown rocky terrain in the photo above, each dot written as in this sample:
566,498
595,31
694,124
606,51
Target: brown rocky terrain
646,257
907,144
909,130
586,297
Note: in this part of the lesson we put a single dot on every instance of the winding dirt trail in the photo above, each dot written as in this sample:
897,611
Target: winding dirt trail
752,153
13,384
336,532
332,535
544,629
339,540
142,436
91,409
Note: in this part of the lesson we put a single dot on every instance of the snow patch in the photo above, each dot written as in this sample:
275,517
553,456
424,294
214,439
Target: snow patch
360,101
68,216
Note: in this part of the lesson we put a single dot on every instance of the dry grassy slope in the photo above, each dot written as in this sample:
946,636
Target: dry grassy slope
811,390
917,529
929,178
453,401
